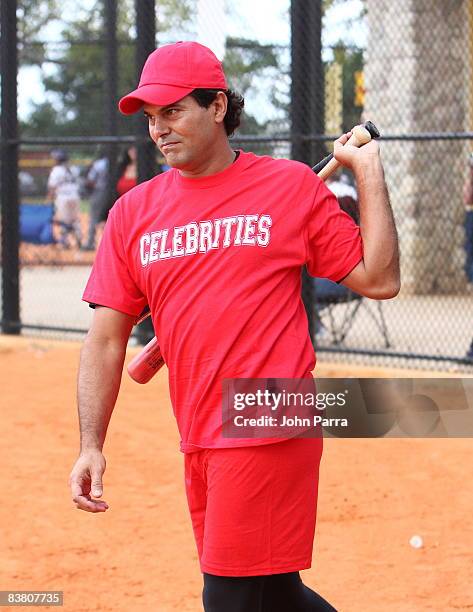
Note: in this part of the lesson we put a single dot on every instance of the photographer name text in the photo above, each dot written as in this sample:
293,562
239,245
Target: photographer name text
272,421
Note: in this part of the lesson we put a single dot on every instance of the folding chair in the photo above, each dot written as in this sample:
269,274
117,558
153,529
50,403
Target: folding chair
330,296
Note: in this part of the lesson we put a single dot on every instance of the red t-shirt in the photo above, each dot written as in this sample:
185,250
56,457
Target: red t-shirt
124,184
218,259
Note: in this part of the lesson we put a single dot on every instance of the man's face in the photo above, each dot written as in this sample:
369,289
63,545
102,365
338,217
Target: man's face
185,132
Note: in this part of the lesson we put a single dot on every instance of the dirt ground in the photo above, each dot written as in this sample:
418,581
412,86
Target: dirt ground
48,254
140,555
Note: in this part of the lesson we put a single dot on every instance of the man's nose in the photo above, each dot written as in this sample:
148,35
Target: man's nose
159,129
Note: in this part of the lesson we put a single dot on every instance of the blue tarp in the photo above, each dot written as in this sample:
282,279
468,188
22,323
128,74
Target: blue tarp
36,223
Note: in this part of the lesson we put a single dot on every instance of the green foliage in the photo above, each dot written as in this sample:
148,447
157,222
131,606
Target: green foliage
32,16
351,61
44,122
246,60
174,14
76,96
76,103
79,80
328,4
76,89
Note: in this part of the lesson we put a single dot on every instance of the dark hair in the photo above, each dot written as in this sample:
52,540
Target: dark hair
59,155
205,97
124,160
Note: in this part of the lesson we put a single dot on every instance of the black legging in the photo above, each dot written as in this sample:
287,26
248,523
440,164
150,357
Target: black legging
275,593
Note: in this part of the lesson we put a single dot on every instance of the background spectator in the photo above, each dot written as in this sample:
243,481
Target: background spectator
97,183
127,171
468,201
64,190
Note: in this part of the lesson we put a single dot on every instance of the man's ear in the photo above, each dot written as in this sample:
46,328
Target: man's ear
220,105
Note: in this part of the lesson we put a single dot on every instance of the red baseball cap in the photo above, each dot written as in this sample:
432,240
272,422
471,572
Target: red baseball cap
171,73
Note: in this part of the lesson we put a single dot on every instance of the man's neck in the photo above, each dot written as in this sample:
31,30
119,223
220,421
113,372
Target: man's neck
214,164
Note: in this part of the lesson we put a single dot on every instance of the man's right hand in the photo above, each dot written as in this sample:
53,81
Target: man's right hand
86,481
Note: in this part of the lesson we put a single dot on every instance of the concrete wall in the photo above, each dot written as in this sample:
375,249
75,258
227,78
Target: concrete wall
418,79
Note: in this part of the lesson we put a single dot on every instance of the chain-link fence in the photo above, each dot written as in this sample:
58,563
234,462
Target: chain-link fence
308,71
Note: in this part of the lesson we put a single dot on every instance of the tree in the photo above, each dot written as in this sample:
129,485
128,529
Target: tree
75,91
328,4
245,61
352,61
32,16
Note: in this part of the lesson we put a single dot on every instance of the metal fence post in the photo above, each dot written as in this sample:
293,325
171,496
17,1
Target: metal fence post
307,80
111,95
9,170
145,44
307,103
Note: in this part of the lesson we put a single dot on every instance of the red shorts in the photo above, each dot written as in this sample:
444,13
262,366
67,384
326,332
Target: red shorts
253,509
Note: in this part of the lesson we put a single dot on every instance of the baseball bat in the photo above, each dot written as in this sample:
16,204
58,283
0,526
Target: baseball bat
149,360
361,134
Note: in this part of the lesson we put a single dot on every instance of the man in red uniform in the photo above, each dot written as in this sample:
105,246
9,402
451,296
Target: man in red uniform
215,246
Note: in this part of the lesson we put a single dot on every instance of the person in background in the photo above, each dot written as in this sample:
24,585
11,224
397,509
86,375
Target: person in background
326,291
469,353
128,178
97,183
127,171
340,185
468,202
64,190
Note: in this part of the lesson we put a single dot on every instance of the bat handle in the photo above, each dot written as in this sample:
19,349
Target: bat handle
144,315
326,167
322,163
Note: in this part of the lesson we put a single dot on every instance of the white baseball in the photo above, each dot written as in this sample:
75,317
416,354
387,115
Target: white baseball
416,541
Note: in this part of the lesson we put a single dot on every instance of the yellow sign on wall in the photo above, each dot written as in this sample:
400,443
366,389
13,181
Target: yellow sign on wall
333,98
359,88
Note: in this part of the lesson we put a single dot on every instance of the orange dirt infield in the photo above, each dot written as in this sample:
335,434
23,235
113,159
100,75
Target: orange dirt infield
140,555
47,254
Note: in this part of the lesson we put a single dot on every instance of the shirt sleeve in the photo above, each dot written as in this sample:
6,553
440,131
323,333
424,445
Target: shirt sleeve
54,177
334,240
92,173
111,282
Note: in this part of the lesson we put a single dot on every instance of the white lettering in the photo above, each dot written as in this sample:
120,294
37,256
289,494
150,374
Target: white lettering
217,226
177,248
153,250
249,231
276,397
192,240
240,221
264,223
330,422
144,246
228,222
205,237
239,401
164,253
